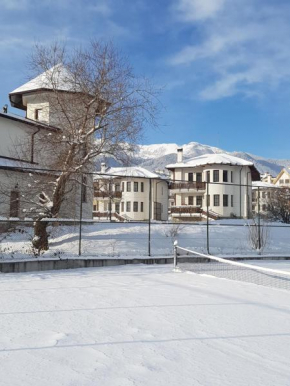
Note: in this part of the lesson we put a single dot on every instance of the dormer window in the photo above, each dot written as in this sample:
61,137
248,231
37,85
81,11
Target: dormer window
37,114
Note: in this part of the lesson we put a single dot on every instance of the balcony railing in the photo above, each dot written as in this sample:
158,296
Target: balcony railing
194,185
185,209
108,194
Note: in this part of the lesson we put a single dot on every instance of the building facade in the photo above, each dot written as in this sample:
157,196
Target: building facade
130,194
264,191
27,151
216,184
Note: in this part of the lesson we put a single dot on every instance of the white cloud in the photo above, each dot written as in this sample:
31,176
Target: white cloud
13,4
240,48
199,9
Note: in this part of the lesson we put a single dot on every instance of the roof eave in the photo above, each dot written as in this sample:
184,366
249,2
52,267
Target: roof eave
30,123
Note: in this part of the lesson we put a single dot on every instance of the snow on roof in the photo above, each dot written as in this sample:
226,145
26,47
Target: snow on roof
57,77
133,171
13,163
211,159
261,184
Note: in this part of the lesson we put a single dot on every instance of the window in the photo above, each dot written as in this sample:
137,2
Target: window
128,206
122,206
135,186
216,200
123,186
84,189
225,200
208,176
232,176
199,200
142,207
128,186
225,176
95,208
142,186
216,177
281,182
287,181
190,177
263,194
37,114
232,200
264,207
135,206
190,200
117,187
117,208
14,203
198,177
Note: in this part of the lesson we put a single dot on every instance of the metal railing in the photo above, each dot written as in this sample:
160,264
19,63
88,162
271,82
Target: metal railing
194,185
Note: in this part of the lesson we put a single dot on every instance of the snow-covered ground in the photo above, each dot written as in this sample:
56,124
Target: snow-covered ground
131,240
139,326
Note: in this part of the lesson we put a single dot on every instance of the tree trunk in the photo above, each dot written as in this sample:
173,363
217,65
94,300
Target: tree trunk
40,239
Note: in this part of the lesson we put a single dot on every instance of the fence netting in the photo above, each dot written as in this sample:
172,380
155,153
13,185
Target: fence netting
233,270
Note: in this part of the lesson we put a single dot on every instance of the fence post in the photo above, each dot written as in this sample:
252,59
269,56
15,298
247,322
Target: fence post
175,254
259,220
207,217
150,214
81,215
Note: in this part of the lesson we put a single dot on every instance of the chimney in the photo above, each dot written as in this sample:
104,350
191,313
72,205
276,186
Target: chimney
179,155
103,167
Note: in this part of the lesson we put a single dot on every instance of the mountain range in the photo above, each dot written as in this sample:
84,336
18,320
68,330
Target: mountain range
156,157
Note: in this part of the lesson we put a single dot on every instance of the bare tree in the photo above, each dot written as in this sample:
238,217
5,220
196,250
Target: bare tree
99,108
279,205
258,235
174,231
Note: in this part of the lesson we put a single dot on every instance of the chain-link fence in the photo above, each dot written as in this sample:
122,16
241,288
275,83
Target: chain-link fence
135,215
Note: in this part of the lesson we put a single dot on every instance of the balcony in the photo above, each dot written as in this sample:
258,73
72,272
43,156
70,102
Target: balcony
186,209
184,187
112,195
194,212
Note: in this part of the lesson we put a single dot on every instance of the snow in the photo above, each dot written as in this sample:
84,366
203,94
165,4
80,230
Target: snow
133,171
261,184
141,325
127,240
62,80
212,159
191,149
6,162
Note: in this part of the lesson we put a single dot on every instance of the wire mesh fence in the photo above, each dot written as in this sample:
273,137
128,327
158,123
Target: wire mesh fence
123,215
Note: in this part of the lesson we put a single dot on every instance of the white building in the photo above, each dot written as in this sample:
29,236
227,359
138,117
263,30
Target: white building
24,144
125,193
262,193
219,183
283,179
265,190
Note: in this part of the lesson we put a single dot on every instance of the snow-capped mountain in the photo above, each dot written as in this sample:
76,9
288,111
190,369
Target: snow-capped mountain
157,156
154,157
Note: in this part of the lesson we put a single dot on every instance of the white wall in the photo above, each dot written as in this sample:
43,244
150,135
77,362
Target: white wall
242,197
37,101
159,193
15,139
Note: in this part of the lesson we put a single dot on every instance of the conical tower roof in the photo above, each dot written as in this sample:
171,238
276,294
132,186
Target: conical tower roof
57,77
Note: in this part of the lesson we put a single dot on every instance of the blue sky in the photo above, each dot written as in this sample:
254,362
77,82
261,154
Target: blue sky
224,64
